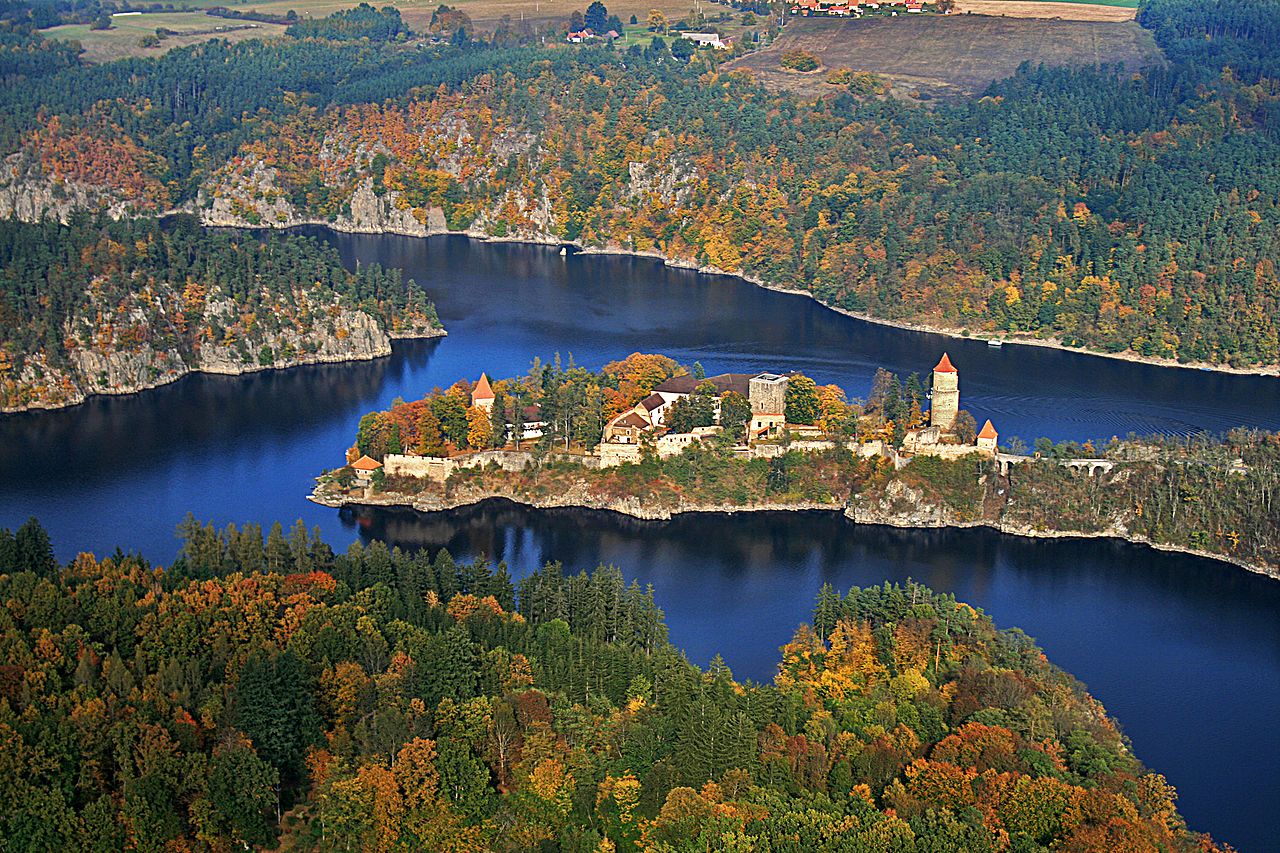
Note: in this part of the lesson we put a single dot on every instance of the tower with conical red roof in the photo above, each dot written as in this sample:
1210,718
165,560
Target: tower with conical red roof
482,397
946,395
988,438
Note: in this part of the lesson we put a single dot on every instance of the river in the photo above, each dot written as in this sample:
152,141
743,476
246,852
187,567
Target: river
1184,651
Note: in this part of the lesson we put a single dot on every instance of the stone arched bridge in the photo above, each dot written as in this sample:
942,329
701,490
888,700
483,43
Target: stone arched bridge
1006,461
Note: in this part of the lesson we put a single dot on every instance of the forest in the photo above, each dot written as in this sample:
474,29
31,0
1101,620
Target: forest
82,299
265,691
1121,212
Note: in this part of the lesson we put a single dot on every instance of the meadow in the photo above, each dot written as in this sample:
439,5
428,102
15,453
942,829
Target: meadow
127,32
951,56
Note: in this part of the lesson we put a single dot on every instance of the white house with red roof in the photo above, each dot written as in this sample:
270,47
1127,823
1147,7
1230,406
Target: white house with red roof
364,468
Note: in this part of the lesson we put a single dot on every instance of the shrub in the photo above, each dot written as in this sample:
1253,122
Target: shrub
799,60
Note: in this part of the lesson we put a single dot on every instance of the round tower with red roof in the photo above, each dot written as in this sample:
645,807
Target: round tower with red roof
945,402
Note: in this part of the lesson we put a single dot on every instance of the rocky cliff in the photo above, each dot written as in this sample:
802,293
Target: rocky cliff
33,197
997,503
251,196
122,355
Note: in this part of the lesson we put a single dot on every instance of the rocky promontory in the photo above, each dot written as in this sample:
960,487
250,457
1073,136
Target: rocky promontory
1040,499
105,368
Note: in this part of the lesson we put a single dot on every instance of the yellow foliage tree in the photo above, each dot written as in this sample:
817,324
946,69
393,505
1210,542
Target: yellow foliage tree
479,429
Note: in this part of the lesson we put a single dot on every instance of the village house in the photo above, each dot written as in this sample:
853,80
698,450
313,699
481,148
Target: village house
707,40
833,8
364,468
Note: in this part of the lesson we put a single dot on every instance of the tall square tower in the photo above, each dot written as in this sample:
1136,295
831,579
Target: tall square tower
768,394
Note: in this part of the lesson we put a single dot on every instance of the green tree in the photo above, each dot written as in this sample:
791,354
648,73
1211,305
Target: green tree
275,706
735,414
802,400
241,790
596,17
33,550
695,410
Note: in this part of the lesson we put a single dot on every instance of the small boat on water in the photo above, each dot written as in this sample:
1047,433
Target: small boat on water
563,251
995,343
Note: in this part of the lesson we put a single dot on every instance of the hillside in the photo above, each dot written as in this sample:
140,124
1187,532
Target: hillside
273,693
953,56
1066,204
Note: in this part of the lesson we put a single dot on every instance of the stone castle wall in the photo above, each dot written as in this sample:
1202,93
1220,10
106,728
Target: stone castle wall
439,468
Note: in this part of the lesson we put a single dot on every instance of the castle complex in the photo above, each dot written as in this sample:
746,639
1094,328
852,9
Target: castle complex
647,423
939,438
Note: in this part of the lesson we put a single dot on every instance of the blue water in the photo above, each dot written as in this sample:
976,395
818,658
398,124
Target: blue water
1185,652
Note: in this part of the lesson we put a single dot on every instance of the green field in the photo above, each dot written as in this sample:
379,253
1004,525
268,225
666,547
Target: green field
127,31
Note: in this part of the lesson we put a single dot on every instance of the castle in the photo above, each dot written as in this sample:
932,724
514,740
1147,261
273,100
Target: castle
939,438
646,423
766,392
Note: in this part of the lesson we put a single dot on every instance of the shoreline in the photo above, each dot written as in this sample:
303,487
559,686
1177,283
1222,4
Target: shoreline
635,509
906,325
247,369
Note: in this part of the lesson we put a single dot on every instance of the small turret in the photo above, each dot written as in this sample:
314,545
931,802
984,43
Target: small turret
482,396
988,437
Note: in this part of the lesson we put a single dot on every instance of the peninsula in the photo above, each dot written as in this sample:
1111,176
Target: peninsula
99,306
651,438
274,695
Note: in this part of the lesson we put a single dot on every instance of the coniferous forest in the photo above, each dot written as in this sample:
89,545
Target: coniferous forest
263,692
1069,204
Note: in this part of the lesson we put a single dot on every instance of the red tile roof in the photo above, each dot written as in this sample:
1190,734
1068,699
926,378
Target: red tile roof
483,390
724,382
652,402
944,366
988,431
366,463
631,419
